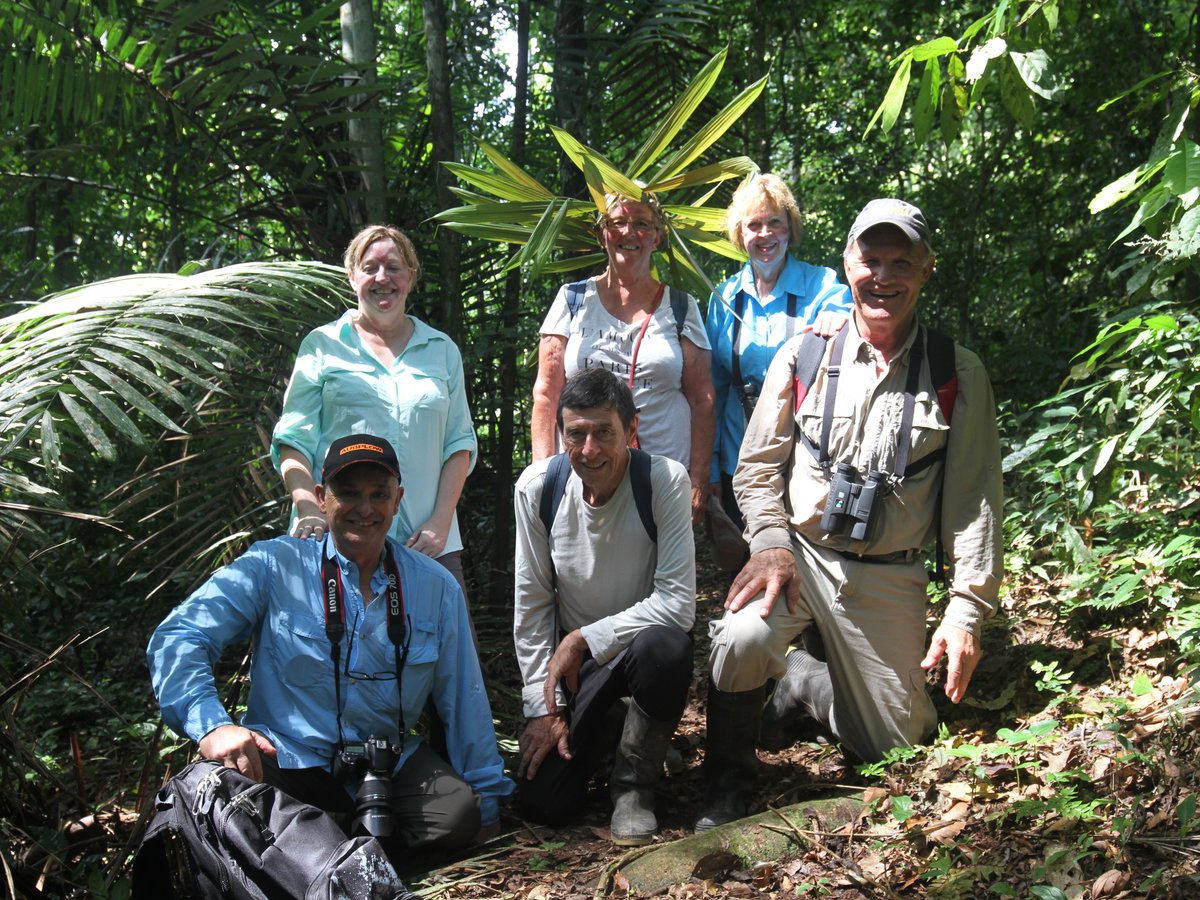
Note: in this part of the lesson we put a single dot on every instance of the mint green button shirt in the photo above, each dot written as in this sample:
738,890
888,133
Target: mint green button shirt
418,404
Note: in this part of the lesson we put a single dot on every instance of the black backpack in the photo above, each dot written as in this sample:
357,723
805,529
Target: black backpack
218,834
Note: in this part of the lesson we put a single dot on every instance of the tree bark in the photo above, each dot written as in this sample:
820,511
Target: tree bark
437,63
500,574
571,87
364,129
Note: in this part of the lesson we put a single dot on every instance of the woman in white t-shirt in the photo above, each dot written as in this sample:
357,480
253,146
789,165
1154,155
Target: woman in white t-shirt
623,320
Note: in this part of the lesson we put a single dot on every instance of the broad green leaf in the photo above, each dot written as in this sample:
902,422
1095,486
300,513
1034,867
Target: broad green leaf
893,101
937,47
1105,454
927,100
1184,237
1015,96
1152,203
1038,73
711,132
1181,173
978,62
672,123
1116,191
714,243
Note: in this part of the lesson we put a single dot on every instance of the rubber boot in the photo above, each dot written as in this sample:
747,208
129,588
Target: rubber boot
730,763
636,770
799,705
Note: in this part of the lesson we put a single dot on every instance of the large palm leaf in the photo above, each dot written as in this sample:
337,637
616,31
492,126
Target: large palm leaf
174,380
547,225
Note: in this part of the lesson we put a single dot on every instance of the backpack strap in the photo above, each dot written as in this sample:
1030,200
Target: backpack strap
555,485
643,490
679,308
939,350
575,292
808,360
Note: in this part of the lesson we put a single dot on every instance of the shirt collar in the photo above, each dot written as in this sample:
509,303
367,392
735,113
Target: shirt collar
790,281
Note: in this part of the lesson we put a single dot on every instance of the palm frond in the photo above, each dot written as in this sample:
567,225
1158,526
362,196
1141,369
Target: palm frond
544,225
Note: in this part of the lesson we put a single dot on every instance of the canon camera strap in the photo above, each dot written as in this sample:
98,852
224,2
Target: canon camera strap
333,601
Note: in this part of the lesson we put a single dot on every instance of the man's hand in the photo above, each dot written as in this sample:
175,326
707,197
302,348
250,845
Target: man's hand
772,571
542,735
828,324
236,747
962,651
564,664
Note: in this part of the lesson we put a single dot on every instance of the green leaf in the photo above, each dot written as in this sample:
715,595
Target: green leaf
1141,685
1016,97
512,170
1116,191
902,808
614,181
1038,73
937,47
927,100
1181,173
710,132
893,101
676,117
1106,452
981,58
88,427
500,185
735,167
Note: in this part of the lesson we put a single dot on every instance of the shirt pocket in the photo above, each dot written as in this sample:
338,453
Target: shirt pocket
301,649
929,437
350,400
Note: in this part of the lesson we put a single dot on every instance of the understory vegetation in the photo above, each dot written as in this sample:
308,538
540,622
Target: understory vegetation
170,170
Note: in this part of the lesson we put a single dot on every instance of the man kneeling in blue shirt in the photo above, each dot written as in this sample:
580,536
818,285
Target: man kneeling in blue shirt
352,635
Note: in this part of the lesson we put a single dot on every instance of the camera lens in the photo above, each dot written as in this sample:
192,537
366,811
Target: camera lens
373,809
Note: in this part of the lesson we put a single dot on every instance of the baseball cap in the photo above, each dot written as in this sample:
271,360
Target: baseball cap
889,211
359,448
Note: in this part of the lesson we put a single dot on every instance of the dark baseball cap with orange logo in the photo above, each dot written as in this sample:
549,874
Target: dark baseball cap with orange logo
359,448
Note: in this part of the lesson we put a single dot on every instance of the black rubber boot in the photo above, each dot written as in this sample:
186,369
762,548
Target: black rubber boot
799,705
636,770
730,763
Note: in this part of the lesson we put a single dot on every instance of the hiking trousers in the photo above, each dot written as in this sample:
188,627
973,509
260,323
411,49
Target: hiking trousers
871,618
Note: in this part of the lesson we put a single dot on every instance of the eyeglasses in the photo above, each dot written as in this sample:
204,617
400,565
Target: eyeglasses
379,676
641,226
371,270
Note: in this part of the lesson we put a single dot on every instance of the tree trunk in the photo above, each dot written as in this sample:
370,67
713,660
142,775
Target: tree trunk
442,128
500,574
571,87
364,129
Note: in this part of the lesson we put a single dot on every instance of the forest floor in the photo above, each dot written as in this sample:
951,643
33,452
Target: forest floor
1069,771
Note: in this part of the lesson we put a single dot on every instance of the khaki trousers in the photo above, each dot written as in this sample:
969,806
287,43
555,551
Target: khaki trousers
871,618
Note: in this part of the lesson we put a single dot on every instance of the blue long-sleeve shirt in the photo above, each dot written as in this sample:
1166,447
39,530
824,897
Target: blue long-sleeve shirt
764,330
272,593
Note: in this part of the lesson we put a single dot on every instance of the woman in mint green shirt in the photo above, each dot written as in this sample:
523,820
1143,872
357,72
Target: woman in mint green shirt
381,371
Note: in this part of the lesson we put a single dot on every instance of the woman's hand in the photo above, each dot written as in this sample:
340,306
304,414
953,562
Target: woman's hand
429,539
311,526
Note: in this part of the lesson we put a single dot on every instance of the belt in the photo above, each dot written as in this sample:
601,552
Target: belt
900,556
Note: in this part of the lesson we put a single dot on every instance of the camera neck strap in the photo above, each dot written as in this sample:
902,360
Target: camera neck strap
916,356
333,602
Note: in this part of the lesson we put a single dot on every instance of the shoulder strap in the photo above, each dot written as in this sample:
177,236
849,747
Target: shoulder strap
559,470
808,360
939,350
553,487
679,307
575,292
643,490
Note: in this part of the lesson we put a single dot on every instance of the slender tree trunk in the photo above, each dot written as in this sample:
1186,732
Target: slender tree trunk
571,86
365,128
760,138
501,574
442,127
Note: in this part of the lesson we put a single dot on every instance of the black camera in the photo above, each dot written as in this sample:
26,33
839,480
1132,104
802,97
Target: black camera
851,501
370,763
750,392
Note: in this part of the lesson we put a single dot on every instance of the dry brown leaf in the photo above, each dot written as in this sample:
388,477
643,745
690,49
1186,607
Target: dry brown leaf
542,892
947,833
872,865
1114,881
959,810
1100,767
1057,762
